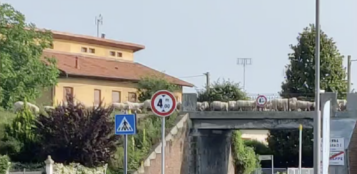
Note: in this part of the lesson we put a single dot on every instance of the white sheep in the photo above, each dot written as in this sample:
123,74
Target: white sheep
246,105
120,106
205,106
218,105
232,105
136,107
304,105
19,105
147,105
48,108
284,104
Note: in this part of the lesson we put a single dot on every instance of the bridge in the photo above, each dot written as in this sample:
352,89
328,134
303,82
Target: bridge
210,131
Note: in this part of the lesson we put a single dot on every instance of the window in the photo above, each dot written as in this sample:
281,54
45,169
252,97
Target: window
112,53
92,50
132,97
119,54
67,91
97,96
115,96
84,49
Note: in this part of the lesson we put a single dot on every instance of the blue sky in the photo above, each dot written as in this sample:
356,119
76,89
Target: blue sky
190,37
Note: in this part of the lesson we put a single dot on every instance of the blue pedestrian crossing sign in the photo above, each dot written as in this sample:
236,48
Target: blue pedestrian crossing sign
125,124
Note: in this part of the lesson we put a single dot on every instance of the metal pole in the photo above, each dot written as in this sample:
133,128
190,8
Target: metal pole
317,120
272,164
348,74
244,74
126,152
300,148
163,146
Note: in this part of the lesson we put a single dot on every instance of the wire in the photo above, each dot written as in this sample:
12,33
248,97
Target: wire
192,76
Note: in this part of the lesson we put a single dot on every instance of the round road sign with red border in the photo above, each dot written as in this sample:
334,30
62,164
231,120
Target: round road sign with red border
163,103
261,101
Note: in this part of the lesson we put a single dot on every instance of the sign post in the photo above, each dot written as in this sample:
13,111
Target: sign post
300,147
266,158
125,124
261,101
163,104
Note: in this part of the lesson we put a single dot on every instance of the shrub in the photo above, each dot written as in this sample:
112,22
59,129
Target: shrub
73,133
147,86
4,164
224,90
59,168
244,157
19,141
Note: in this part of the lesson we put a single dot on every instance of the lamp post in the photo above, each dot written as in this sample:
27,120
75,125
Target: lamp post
244,62
349,72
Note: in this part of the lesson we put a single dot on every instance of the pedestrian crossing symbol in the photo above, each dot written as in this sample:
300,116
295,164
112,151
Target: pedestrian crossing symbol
125,124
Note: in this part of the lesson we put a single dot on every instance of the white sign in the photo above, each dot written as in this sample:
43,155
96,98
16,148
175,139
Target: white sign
265,157
337,158
325,136
337,144
163,103
261,100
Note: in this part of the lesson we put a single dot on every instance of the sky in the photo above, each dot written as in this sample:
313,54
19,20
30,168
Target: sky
186,38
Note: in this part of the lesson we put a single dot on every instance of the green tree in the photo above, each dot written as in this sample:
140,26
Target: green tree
73,133
23,71
148,85
20,142
245,159
222,90
300,73
284,145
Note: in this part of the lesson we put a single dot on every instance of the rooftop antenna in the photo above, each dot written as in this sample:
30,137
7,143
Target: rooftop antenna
98,22
244,62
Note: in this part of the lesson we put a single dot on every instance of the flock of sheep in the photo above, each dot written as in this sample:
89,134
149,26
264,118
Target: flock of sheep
292,104
283,104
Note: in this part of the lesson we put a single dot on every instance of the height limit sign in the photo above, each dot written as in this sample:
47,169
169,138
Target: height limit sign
163,103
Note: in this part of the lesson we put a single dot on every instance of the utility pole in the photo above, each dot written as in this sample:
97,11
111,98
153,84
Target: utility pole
244,62
349,72
98,22
207,81
317,119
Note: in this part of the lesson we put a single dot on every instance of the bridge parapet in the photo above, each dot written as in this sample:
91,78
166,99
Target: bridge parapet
190,104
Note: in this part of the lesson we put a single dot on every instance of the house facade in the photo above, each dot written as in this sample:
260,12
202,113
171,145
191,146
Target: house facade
94,69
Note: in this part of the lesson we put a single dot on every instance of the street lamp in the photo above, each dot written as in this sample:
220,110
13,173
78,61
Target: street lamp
244,62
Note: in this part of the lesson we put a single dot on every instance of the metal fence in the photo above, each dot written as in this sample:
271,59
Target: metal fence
303,171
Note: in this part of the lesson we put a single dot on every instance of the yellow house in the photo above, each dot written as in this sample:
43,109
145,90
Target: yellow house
94,69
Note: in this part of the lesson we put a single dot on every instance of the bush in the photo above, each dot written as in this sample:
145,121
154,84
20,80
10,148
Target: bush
4,164
244,157
59,168
73,133
147,86
224,90
19,141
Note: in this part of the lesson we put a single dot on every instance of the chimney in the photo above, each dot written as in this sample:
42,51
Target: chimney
77,63
103,36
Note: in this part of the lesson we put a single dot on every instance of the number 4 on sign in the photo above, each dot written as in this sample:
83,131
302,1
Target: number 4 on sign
159,104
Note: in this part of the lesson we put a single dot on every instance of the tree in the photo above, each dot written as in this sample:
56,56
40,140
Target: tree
73,133
284,145
23,71
224,90
245,159
148,85
300,73
20,142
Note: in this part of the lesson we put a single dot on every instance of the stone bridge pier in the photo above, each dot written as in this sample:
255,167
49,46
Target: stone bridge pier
212,152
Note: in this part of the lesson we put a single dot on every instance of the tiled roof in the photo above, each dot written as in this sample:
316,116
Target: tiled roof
96,67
